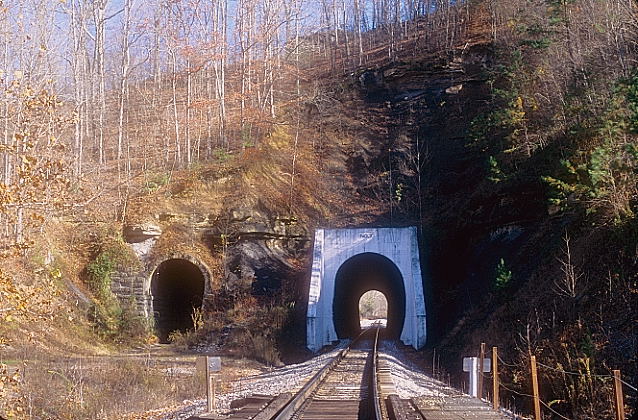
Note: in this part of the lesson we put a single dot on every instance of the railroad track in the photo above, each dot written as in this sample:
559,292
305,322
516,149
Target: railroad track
356,384
344,389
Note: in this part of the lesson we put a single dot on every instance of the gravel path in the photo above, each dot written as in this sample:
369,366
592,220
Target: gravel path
409,380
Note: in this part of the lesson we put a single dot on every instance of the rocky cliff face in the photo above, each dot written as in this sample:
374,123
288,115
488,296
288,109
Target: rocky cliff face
246,250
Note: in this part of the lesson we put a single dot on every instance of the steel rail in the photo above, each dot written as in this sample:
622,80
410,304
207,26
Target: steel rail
307,391
309,388
376,391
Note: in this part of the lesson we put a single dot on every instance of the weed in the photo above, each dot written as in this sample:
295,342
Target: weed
258,346
197,316
104,388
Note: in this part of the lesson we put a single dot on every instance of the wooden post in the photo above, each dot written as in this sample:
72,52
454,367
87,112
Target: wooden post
495,377
537,400
620,404
209,388
480,371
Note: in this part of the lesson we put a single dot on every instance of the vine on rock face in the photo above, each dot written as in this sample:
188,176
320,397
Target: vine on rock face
112,318
100,272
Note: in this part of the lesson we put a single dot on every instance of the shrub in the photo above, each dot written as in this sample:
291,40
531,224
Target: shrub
503,276
604,179
100,271
119,322
157,181
112,252
111,318
221,154
495,175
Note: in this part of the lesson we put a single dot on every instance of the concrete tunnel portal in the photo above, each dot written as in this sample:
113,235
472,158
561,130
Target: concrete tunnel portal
177,288
346,263
358,275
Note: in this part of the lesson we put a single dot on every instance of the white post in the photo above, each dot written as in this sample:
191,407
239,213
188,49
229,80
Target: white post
474,373
209,388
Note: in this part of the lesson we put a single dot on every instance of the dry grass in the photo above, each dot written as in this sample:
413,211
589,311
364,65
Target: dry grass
105,388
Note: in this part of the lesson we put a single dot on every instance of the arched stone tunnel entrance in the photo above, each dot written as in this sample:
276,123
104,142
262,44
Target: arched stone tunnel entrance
177,288
358,275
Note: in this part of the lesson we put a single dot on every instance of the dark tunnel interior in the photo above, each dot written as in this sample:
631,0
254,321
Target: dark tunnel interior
359,274
177,287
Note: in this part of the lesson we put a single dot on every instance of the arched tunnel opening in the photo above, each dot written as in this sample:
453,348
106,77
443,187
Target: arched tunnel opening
177,287
358,275
373,309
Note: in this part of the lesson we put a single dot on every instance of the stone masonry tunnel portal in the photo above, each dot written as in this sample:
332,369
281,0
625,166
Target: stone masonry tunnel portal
177,288
360,274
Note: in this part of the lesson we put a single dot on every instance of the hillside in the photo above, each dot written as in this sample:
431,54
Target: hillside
507,133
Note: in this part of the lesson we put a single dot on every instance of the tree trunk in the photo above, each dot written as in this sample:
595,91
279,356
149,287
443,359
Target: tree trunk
99,19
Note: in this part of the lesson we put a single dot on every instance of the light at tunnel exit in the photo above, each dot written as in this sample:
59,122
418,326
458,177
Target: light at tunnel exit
373,309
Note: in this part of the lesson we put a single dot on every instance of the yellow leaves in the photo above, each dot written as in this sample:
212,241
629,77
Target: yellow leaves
517,112
28,161
9,386
55,273
280,139
23,303
18,74
39,158
37,218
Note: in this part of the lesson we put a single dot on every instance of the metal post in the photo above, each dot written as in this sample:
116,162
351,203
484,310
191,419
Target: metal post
620,404
495,377
474,377
480,371
209,388
537,400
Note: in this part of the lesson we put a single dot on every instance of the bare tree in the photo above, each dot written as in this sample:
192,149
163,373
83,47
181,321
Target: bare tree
99,20
569,284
